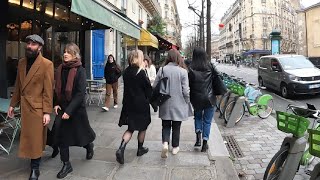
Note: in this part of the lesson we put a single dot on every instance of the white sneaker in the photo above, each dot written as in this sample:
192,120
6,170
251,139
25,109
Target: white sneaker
175,150
115,106
105,108
165,149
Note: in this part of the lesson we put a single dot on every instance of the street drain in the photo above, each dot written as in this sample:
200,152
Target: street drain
233,147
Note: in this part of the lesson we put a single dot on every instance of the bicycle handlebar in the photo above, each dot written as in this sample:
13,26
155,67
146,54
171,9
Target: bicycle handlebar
305,112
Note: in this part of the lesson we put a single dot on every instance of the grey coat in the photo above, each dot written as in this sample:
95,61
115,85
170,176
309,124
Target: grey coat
178,107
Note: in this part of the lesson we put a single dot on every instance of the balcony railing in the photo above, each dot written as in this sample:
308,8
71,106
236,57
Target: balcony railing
152,6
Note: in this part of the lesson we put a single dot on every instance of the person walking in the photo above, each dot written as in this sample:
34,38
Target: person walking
112,73
72,127
136,110
34,93
150,68
177,108
201,95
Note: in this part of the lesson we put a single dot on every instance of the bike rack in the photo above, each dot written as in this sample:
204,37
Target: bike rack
235,111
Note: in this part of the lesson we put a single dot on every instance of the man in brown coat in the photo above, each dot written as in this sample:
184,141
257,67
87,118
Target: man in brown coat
34,93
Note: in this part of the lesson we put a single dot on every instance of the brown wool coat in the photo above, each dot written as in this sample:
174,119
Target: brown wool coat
34,93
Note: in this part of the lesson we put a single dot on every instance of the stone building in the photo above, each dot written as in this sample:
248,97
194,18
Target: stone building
308,40
171,17
248,24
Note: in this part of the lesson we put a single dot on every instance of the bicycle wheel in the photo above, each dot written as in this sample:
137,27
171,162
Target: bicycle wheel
264,111
223,102
274,167
228,110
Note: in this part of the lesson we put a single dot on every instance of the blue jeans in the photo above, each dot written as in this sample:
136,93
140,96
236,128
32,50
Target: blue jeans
202,121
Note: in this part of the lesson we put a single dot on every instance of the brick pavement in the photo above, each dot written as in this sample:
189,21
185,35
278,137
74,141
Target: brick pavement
259,139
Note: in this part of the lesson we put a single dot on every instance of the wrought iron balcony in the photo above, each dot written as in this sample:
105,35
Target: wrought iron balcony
152,6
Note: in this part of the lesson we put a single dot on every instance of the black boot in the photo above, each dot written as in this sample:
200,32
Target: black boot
34,175
204,146
120,152
55,151
198,142
141,150
90,151
66,169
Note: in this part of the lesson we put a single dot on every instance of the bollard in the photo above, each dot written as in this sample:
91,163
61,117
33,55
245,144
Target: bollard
235,111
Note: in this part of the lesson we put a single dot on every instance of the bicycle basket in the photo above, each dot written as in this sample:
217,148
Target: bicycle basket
290,123
314,142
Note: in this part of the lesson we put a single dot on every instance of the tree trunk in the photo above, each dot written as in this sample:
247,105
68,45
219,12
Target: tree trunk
202,25
209,29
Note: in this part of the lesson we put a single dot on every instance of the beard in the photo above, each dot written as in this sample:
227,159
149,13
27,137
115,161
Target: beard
31,53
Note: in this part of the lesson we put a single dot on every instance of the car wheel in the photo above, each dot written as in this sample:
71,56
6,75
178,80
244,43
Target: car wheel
284,91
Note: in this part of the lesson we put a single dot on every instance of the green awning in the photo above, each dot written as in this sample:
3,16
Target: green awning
96,12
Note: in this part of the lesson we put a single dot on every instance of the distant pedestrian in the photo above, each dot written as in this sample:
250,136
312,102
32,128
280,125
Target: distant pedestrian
201,95
150,68
136,109
71,126
112,72
178,107
34,93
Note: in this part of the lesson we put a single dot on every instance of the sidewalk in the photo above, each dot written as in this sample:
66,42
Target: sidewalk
258,139
188,164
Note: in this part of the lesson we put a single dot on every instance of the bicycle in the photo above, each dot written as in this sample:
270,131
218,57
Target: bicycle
236,86
308,112
286,162
255,103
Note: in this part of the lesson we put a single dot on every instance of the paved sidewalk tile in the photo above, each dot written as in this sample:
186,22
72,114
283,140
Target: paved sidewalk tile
259,139
187,164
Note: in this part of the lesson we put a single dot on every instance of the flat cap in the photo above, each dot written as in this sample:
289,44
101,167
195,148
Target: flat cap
35,38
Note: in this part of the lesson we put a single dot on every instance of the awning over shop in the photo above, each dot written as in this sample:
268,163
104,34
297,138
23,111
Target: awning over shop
257,51
93,10
146,39
164,44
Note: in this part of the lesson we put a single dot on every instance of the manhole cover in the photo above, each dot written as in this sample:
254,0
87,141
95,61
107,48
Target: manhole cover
233,147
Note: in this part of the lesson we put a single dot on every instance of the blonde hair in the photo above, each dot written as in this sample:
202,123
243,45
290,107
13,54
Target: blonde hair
73,49
135,58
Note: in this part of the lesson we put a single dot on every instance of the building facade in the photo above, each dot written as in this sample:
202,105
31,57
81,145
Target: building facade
308,40
248,24
171,17
215,47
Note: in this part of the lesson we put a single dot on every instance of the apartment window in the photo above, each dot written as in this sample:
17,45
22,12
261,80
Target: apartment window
133,8
263,1
140,13
166,14
124,6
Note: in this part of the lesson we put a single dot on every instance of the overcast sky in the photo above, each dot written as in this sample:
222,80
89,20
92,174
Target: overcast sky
218,8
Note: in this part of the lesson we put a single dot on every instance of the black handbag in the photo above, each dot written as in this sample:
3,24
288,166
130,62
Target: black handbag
218,87
158,98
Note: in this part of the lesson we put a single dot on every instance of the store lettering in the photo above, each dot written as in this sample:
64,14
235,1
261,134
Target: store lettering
117,23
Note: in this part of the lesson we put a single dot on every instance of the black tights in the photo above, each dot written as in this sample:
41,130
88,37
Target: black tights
128,134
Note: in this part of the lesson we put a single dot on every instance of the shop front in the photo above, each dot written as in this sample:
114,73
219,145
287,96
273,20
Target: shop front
148,43
57,22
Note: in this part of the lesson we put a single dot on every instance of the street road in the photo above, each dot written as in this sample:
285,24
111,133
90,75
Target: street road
280,103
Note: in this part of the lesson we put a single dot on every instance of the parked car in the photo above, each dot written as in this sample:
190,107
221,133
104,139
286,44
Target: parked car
289,74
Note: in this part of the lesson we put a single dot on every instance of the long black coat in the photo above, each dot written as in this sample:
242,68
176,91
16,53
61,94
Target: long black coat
137,91
75,131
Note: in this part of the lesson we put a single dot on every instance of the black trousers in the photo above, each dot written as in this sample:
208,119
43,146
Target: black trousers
167,125
64,152
35,163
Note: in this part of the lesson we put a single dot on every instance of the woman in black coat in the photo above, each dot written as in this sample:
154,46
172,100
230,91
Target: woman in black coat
112,73
136,110
71,127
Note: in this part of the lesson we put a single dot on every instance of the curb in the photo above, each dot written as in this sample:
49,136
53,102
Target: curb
218,152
